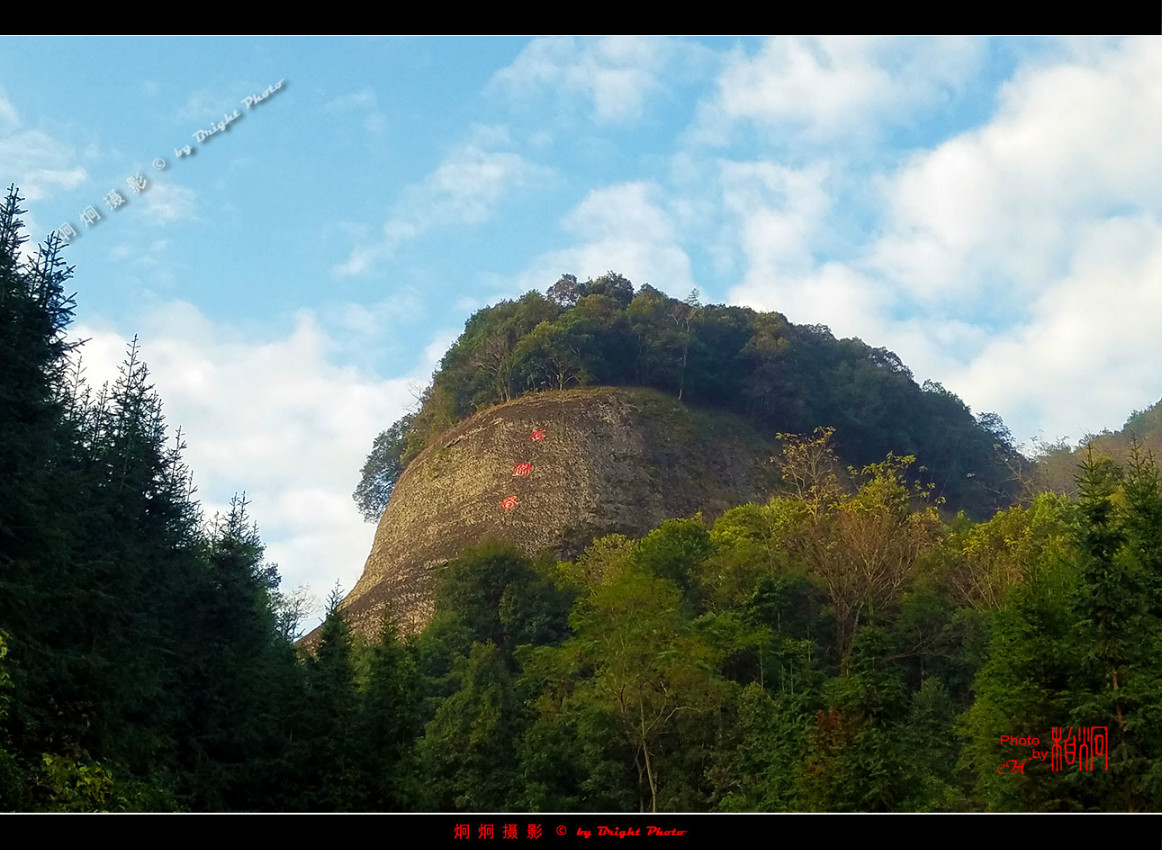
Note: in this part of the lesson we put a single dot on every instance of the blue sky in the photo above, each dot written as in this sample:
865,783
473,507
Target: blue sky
989,209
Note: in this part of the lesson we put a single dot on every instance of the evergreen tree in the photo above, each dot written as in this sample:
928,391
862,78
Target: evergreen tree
336,781
1121,685
229,655
12,797
383,467
35,537
468,752
1025,687
391,717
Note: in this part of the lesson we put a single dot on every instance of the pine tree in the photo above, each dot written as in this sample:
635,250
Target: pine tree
38,598
34,313
335,747
228,656
1111,610
467,753
391,715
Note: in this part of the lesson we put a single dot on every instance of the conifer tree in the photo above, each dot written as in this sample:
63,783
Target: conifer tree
228,655
336,781
391,715
468,751
38,600
1121,683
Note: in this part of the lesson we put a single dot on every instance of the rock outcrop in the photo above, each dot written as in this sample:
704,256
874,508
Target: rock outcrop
552,471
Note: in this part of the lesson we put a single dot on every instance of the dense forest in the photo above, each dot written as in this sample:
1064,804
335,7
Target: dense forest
848,645
783,377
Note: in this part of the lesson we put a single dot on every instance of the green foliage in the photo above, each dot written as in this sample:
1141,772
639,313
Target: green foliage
10,779
862,548
643,665
1121,682
497,595
69,786
1056,462
603,560
836,649
382,469
993,557
390,718
467,753
674,551
855,761
783,377
334,743
928,742
1023,689
572,759
764,771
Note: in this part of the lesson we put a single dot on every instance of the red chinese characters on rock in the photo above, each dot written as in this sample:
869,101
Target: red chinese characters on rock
509,503
522,470
538,435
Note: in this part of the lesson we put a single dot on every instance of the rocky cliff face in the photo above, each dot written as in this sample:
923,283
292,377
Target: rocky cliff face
552,471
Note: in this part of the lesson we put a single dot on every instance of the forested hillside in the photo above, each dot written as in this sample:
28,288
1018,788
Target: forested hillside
1056,463
784,378
841,646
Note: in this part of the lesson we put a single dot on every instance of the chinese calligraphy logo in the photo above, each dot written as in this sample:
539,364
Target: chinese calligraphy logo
1080,748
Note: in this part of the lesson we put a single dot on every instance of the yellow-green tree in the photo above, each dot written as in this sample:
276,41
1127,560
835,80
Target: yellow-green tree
643,664
861,547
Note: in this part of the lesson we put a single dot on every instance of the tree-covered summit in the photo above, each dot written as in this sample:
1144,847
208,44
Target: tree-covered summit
785,378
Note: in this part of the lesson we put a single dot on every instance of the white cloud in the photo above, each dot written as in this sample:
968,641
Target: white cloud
202,105
360,260
836,87
777,216
777,212
624,228
1018,263
834,295
39,164
278,418
999,226
465,189
168,202
369,320
1091,344
151,257
354,100
361,102
617,75
998,208
8,117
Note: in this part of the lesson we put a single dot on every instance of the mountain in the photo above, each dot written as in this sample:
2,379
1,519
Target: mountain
650,408
553,471
1058,465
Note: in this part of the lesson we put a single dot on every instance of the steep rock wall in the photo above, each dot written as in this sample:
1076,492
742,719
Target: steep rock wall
552,471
